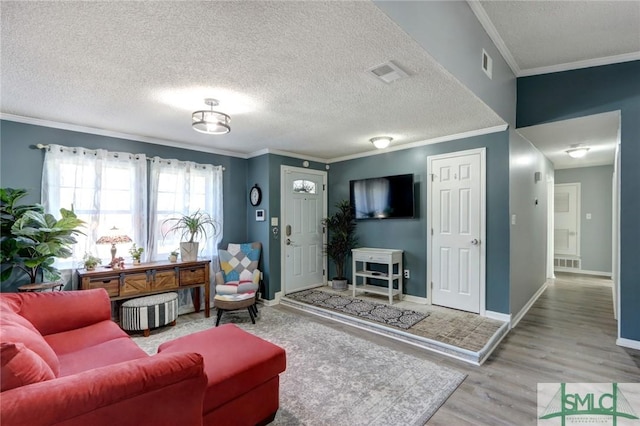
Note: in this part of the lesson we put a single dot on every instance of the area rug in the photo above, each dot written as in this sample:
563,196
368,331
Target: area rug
378,312
332,377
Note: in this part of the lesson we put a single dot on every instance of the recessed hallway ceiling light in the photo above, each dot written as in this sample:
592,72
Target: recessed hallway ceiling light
577,151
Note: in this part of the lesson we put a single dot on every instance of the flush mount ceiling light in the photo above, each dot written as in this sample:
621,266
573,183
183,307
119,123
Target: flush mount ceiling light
211,122
577,151
381,142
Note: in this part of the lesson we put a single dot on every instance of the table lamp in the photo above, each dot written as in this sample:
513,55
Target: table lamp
114,238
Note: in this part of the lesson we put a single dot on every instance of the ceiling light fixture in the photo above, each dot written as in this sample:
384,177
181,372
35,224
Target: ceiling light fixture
381,142
211,122
577,151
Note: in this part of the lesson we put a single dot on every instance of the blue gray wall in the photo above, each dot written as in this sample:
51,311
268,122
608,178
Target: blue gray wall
570,94
410,235
596,188
528,202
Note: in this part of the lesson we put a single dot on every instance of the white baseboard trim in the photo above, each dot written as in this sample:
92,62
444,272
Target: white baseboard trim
273,302
516,319
584,272
498,316
415,299
628,343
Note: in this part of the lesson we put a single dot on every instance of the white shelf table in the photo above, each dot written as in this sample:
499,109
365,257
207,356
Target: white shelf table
363,257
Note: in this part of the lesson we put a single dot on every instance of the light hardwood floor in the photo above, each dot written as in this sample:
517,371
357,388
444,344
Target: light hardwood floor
567,336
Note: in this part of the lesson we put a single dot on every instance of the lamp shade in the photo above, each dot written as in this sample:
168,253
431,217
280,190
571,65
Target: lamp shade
210,122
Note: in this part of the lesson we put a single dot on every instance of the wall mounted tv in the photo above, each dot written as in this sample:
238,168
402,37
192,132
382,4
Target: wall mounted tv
388,197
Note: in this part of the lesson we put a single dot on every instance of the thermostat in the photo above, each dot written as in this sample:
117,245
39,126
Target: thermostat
260,215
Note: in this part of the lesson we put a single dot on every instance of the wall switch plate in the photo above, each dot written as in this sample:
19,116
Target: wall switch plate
513,219
274,221
407,275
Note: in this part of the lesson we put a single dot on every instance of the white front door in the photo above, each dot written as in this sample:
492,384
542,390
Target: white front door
303,199
457,228
566,232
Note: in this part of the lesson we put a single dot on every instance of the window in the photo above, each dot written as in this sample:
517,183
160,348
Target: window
305,186
105,189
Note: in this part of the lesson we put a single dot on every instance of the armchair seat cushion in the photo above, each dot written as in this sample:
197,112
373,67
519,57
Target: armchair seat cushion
235,287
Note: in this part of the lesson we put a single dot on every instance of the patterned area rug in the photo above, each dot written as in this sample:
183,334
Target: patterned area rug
332,377
378,312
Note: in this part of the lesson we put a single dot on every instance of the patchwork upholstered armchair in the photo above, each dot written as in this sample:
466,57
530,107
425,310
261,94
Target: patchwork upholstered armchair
239,271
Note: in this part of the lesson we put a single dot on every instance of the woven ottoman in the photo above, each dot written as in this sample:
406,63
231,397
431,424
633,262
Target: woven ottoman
145,313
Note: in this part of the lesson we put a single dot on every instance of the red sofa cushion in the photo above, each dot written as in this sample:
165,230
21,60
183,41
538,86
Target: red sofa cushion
21,366
234,361
15,331
74,340
100,355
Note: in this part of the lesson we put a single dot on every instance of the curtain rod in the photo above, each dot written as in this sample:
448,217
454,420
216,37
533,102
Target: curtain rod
42,146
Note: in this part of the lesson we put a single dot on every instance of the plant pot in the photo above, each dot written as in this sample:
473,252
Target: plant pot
173,259
339,284
136,261
189,252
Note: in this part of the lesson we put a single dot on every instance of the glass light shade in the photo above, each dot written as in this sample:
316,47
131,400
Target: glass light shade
211,122
381,142
577,152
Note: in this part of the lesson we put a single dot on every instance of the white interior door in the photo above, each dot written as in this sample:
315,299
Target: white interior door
457,228
566,232
304,199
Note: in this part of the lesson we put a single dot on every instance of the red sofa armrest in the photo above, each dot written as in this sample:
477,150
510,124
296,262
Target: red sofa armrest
161,389
57,311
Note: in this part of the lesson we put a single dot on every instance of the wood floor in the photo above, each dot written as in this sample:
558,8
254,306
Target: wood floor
567,336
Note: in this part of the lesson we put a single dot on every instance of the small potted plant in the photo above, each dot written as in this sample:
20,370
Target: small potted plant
342,238
173,256
191,227
135,253
90,261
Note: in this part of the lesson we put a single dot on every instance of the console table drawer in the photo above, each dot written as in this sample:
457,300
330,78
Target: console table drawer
111,284
192,275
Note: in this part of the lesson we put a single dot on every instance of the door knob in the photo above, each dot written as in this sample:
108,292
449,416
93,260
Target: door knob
288,242
475,242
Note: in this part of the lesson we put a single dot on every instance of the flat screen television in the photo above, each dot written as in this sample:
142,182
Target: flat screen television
388,197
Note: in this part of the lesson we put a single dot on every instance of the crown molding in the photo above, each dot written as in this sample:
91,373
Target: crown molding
607,60
118,135
493,34
286,154
471,133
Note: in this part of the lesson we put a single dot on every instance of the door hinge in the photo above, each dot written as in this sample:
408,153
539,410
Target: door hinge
431,231
431,289
324,187
323,272
433,176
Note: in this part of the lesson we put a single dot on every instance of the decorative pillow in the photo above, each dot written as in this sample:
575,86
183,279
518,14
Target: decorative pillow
14,331
21,366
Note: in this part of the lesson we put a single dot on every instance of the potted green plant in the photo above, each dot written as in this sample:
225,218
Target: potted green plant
135,253
90,261
342,239
191,228
31,239
173,256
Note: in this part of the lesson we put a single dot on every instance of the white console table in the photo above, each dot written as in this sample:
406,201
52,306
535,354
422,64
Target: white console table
364,256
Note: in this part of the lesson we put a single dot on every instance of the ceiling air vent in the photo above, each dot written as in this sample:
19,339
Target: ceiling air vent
387,72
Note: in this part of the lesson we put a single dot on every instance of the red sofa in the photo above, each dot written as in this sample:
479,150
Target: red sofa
65,362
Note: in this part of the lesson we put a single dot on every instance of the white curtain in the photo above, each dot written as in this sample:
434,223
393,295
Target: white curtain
105,189
184,187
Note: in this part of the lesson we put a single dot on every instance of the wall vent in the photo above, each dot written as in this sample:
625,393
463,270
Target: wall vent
487,64
566,264
387,72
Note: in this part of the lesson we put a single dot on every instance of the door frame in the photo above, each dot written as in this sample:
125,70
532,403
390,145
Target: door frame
483,214
283,215
578,186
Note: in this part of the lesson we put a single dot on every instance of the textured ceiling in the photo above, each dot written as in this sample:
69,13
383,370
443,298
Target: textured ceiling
599,132
545,34
292,75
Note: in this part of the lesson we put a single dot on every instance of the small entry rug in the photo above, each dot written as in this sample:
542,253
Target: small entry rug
334,378
378,312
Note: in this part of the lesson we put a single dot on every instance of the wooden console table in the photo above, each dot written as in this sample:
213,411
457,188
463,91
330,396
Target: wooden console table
363,257
151,278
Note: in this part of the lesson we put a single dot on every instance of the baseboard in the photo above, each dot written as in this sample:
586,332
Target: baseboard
415,299
498,316
628,343
584,272
516,319
273,302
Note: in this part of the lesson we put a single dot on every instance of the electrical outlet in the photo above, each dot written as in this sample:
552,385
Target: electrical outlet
407,275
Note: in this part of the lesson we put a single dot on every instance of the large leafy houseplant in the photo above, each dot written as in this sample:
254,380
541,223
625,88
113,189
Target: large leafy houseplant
342,238
191,227
31,239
